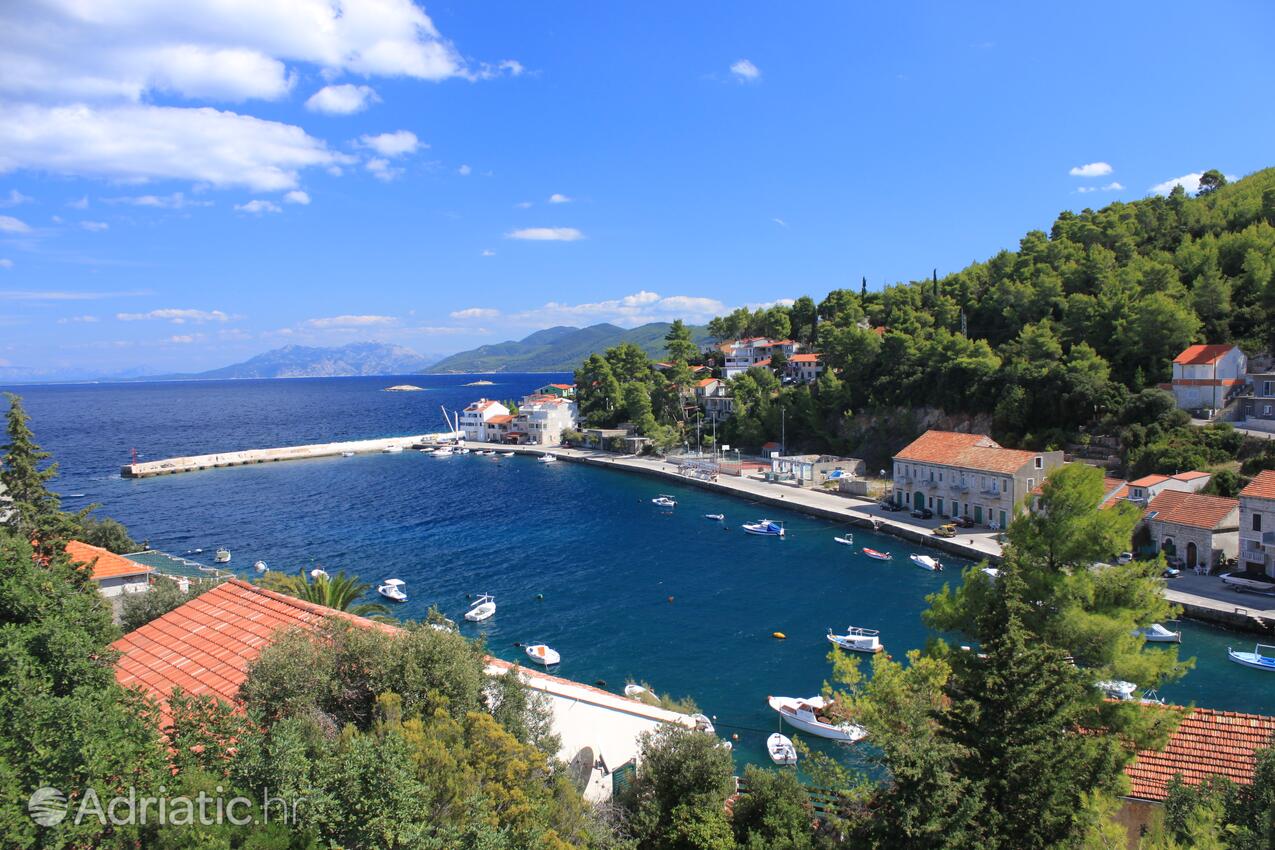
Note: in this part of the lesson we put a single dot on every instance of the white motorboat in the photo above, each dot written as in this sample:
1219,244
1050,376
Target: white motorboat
542,654
462,451
547,458
716,517
634,691
392,589
484,607
781,749
1116,688
391,450
876,554
443,451
805,714
222,556
1255,659
703,724
506,454
318,573
848,540
260,566
1249,582
664,501
347,454
765,528
857,640
991,572
1156,633
925,562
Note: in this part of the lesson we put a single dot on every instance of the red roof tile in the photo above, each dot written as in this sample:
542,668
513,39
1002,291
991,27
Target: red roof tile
1206,743
1261,487
705,382
1190,476
501,419
804,358
105,564
1199,355
1191,509
1149,480
966,451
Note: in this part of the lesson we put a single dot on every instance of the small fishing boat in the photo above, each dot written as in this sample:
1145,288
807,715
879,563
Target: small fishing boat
391,450
222,556
547,458
392,589
857,640
877,555
506,454
1255,659
318,573
809,715
347,454
781,749
991,572
1116,688
1156,633
765,527
443,451
848,540
1251,582
634,691
484,607
542,654
703,724
716,517
664,501
260,566
925,562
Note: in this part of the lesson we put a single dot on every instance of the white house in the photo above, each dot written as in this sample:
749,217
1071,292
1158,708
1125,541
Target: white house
804,368
1257,525
713,395
543,418
113,574
740,355
474,418
1204,376
1146,488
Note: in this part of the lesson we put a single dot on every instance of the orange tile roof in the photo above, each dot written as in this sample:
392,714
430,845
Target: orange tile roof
1206,743
1149,480
563,386
206,645
1199,355
1261,487
1190,476
1191,509
501,419
105,564
967,451
1121,492
804,358
705,382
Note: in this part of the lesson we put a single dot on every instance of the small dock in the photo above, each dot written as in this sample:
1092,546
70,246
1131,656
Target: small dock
221,460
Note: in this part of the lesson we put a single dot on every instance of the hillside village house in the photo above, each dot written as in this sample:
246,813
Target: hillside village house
740,355
206,646
1259,407
474,418
1146,488
1257,524
559,390
714,397
1201,530
1204,376
542,419
114,575
803,368
968,475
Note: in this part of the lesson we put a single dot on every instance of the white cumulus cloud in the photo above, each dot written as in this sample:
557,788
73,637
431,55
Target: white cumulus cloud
175,201
630,310
257,206
476,313
296,196
398,143
345,99
546,234
464,171
178,316
1189,182
745,70
559,198
338,322
9,224
1091,169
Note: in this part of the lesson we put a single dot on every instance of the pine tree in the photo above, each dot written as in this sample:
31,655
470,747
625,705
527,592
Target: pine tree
35,509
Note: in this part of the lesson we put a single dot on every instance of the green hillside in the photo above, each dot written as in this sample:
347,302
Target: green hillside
558,349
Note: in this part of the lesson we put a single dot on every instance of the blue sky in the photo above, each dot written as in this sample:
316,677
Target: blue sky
185,188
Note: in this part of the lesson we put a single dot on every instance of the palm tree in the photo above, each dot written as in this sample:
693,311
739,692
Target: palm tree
340,591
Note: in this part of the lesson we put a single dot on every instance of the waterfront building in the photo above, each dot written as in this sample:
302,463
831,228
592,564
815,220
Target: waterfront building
1257,524
559,390
714,397
968,475
1206,744
114,575
473,419
1201,530
814,470
542,419
804,368
1146,488
499,427
206,646
1206,377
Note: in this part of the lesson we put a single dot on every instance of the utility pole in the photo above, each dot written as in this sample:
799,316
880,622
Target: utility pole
783,430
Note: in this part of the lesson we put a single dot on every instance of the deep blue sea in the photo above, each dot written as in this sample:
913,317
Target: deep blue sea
629,591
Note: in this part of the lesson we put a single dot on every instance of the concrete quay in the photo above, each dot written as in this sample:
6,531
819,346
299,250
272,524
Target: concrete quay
196,463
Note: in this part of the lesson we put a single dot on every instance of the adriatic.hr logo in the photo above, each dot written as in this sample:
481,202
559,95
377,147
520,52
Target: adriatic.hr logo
47,806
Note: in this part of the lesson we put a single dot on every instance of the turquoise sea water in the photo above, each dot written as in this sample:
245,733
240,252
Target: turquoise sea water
630,591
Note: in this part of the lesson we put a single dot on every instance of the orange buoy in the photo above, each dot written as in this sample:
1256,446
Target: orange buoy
778,635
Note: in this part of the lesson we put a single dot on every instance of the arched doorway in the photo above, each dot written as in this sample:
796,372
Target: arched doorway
1168,546
918,500
1191,555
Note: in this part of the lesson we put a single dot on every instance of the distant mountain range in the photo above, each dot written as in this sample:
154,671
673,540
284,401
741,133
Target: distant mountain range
300,361
559,349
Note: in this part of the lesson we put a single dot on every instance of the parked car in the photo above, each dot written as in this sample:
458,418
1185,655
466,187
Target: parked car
962,522
923,513
948,530
1124,557
891,505
1175,562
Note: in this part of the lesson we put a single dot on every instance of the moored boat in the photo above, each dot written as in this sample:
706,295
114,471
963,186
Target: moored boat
781,749
664,501
391,450
318,573
765,528
547,458
925,562
484,607
876,554
392,589
1116,688
260,566
716,517
542,654
848,540
443,451
222,555
1156,633
1255,659
634,691
857,640
808,715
